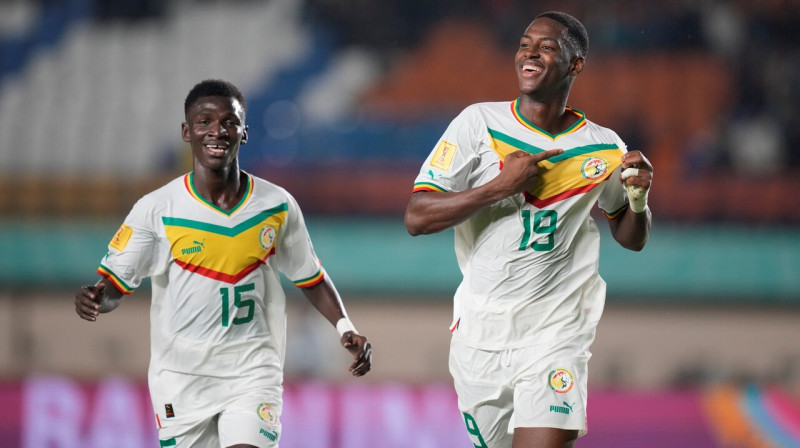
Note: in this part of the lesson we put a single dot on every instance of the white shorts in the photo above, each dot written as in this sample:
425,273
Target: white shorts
253,420
530,387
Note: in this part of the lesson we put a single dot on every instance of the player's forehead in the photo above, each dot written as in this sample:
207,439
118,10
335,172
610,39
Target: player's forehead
545,28
218,104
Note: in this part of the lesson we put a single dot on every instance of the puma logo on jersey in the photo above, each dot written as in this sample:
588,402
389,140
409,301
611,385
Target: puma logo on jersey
198,246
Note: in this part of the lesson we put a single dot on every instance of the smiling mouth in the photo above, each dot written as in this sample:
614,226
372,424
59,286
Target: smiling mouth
216,150
531,68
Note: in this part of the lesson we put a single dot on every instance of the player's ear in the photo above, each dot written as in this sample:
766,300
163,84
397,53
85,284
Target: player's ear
185,132
577,65
244,134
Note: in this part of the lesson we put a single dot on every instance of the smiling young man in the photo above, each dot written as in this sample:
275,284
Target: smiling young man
517,181
213,242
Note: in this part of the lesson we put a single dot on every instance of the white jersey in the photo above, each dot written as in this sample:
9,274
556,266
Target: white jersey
218,308
530,261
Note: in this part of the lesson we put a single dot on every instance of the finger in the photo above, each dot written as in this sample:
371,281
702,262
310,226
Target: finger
357,364
87,318
517,154
630,172
84,305
644,162
635,159
355,349
348,342
86,291
362,361
92,292
361,357
548,154
86,310
84,313
360,369
88,298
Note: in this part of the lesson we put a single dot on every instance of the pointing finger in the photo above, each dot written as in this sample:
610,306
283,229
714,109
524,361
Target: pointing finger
548,154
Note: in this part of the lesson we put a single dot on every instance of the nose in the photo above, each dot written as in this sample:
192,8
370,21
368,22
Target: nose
216,128
530,53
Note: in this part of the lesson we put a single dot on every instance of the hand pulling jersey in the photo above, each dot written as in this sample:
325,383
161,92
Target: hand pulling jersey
530,261
218,310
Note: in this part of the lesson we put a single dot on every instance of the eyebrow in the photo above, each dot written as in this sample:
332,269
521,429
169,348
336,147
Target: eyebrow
547,38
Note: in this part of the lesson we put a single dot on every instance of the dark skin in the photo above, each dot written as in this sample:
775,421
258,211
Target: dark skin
215,130
545,72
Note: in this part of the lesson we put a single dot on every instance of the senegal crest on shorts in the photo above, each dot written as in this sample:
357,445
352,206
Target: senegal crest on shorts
267,413
561,380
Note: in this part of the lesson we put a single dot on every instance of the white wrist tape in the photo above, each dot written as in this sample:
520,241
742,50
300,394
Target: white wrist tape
344,325
630,172
637,196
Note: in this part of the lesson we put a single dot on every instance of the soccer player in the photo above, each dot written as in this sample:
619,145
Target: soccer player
517,181
213,242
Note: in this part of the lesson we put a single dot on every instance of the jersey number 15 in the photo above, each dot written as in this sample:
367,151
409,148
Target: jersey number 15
238,302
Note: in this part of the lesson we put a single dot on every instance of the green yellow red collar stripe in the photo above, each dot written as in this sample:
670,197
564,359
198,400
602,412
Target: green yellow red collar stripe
525,122
187,181
116,281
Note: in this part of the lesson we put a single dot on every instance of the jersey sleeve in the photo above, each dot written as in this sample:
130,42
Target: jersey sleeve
451,162
613,199
132,252
295,256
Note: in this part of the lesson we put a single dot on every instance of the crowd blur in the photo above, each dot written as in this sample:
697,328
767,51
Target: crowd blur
709,90
759,134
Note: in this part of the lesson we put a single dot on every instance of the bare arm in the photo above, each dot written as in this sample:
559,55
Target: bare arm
327,301
91,300
631,230
431,212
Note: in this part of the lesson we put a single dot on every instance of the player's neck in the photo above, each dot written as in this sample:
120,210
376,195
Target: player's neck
223,188
550,116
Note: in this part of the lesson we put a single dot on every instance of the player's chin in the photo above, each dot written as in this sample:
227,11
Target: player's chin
526,86
218,162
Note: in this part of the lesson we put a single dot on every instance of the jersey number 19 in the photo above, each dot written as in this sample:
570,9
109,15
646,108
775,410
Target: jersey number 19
544,223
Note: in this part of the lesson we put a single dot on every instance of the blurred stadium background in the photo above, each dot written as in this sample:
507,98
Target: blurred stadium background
698,346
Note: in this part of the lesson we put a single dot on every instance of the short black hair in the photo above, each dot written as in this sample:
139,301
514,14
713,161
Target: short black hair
213,87
577,37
